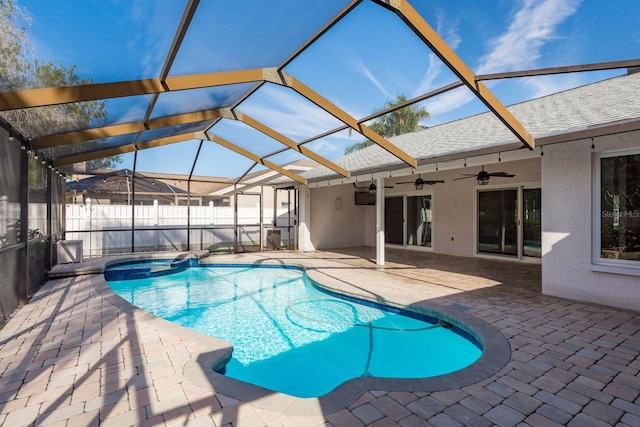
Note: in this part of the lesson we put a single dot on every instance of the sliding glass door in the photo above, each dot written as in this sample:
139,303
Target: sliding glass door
408,220
509,222
531,222
419,221
498,222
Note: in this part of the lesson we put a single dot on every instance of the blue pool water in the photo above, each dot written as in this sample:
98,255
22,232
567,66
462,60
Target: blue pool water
291,337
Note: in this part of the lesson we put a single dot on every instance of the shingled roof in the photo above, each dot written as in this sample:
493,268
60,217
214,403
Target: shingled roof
607,101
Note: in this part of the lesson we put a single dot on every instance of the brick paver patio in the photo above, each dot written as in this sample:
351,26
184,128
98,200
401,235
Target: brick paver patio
72,358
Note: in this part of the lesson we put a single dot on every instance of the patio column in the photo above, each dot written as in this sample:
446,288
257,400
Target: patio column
380,220
304,220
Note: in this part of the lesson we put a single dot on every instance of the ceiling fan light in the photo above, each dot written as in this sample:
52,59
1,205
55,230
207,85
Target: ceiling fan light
419,186
483,180
372,188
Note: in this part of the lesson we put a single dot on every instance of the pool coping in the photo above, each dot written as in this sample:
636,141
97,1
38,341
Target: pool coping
200,370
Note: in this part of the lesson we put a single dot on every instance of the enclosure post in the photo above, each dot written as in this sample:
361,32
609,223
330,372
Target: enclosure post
288,216
88,213
275,210
156,238
23,284
295,218
49,252
261,214
380,221
189,215
235,219
133,203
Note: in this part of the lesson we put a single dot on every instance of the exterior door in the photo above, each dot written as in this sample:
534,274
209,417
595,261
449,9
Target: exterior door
393,220
498,222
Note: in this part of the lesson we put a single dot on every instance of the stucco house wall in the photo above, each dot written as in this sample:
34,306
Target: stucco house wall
453,208
336,222
567,234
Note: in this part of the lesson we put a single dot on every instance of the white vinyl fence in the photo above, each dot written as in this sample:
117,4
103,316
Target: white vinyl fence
106,229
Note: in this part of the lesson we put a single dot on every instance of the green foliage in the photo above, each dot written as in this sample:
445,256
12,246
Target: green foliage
398,122
18,72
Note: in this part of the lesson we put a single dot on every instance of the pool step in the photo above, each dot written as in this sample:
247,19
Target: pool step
152,271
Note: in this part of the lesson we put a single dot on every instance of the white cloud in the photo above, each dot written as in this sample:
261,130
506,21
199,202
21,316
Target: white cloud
435,68
518,48
366,72
546,85
532,26
290,114
450,101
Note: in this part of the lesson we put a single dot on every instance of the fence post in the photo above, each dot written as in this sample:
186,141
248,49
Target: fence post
210,212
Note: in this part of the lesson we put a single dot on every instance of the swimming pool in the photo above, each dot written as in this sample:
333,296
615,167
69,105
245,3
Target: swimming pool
290,336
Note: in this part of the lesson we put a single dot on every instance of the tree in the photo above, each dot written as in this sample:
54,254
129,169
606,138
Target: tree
398,122
18,72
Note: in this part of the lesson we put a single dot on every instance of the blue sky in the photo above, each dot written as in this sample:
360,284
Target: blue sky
361,63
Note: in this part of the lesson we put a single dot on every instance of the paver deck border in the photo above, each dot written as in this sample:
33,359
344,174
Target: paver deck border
201,369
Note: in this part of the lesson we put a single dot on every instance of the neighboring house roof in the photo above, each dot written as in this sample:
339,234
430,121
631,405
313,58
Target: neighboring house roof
109,181
118,182
598,103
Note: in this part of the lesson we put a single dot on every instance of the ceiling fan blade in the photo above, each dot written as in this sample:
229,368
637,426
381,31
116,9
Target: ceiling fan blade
502,174
466,177
431,182
408,182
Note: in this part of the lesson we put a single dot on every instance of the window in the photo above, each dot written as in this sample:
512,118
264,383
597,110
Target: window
617,217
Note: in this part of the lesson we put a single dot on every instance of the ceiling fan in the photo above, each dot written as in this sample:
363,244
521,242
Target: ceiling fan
420,183
483,176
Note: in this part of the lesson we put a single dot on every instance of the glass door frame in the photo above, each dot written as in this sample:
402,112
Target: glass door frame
520,187
405,196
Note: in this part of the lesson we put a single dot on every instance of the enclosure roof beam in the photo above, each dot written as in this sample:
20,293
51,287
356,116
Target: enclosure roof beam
290,143
93,92
597,66
254,157
431,38
335,111
122,149
122,129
